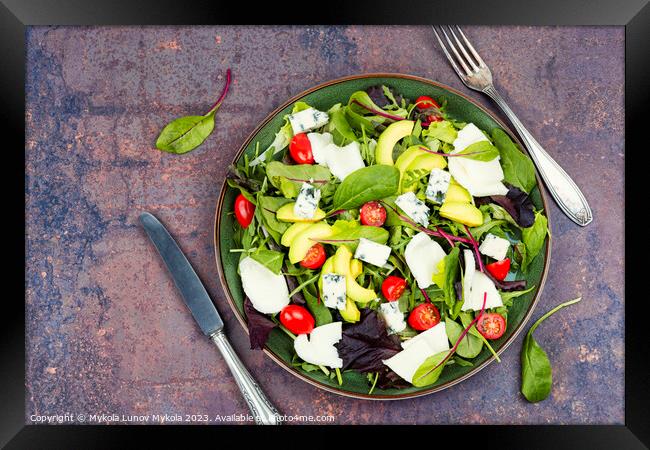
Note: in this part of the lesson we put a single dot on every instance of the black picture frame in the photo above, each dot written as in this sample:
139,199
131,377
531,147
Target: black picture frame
15,15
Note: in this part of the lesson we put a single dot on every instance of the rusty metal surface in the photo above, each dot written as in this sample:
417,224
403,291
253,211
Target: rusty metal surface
106,331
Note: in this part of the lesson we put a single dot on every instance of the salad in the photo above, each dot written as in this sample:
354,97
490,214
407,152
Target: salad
384,237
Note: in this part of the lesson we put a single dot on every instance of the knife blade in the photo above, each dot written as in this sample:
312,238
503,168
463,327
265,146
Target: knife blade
206,315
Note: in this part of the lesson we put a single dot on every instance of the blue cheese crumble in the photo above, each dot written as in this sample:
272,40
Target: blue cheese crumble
393,317
307,120
334,291
372,252
307,201
494,246
414,208
438,185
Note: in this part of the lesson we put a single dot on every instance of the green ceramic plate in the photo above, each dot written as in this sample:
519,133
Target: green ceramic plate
280,346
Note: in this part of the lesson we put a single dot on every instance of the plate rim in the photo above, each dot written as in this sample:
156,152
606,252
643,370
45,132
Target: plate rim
287,366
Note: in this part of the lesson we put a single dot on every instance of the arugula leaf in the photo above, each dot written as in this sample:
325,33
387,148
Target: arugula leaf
186,133
271,259
339,126
479,231
443,130
321,313
348,232
289,178
533,238
518,169
424,376
470,346
479,151
363,185
536,372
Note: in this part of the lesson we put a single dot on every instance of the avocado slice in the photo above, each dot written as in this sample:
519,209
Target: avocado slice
303,241
389,137
353,289
285,214
464,213
403,160
292,231
351,312
457,193
426,161
356,267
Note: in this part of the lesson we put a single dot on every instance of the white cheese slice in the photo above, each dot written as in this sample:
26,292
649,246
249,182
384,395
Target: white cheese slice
307,201
422,255
438,185
494,246
393,317
342,161
372,252
480,178
481,284
418,349
319,348
307,119
334,291
470,270
415,208
267,291
319,142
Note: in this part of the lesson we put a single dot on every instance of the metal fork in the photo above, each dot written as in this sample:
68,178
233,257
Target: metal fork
476,75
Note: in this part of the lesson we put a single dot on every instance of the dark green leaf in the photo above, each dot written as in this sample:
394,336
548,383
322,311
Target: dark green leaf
271,259
518,169
339,124
366,184
425,376
533,237
185,133
470,346
321,313
289,178
480,151
348,232
446,279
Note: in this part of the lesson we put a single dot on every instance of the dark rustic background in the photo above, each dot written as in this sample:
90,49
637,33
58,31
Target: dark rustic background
106,330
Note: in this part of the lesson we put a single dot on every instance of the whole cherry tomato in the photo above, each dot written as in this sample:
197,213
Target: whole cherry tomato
424,316
373,214
297,319
300,149
244,211
315,257
491,325
499,269
393,287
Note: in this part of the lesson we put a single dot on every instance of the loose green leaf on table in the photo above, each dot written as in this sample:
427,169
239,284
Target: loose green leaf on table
186,133
536,373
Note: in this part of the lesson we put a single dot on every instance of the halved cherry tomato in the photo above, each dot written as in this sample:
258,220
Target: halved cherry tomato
244,211
491,325
499,269
424,316
424,102
300,149
315,257
393,287
373,214
297,319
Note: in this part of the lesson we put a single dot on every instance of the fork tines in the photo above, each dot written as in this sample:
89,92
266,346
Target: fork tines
470,64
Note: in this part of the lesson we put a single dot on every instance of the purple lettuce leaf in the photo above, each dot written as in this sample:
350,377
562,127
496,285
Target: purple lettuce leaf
259,325
517,203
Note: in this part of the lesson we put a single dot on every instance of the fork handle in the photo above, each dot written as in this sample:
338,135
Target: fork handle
565,192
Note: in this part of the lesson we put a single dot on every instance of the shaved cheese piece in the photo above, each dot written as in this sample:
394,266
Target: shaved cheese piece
319,142
470,270
267,291
481,284
422,255
319,348
342,161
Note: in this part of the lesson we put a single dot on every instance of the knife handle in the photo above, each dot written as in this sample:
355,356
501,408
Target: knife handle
261,408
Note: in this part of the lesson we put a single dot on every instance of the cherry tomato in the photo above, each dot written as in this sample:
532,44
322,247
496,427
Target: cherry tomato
393,287
297,319
499,269
373,214
491,325
244,211
424,316
315,257
300,149
424,102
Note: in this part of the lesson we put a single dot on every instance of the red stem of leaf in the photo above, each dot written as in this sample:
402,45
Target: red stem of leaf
476,252
426,296
299,180
449,155
378,112
223,93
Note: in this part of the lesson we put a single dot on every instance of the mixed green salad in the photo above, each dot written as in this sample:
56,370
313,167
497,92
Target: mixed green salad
384,236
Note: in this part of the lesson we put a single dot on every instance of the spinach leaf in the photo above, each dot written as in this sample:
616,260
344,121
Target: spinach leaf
267,206
425,376
470,346
480,151
339,126
271,259
186,133
321,313
363,185
518,169
348,232
443,130
289,178
536,373
507,297
533,237
445,278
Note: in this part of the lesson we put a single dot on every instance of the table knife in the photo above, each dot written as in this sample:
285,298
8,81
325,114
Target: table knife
206,315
